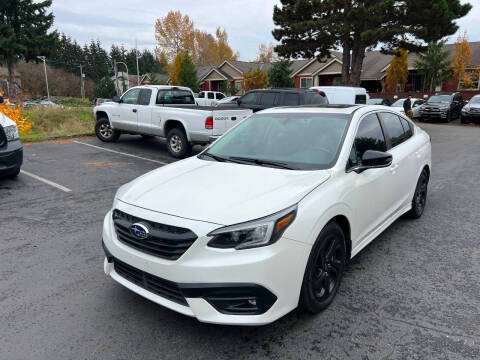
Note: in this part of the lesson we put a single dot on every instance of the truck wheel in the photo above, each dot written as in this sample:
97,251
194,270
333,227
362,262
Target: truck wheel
104,131
177,143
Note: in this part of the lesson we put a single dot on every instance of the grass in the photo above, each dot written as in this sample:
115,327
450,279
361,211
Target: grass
71,101
52,123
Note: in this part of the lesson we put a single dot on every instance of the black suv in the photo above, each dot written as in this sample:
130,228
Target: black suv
444,105
261,99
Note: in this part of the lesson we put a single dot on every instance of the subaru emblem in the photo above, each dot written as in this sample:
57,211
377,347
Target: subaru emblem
139,230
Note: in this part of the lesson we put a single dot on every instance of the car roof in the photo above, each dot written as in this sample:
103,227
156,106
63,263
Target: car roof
297,90
327,109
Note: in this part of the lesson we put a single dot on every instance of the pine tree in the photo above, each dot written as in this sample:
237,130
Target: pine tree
24,26
308,28
187,74
279,74
105,88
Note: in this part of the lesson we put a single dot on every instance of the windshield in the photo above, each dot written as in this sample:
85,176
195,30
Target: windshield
374,101
475,100
435,99
300,141
398,103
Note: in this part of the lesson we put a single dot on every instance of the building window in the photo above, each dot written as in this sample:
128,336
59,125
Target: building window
306,82
239,86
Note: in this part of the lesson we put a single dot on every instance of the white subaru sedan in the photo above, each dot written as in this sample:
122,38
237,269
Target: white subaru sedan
266,218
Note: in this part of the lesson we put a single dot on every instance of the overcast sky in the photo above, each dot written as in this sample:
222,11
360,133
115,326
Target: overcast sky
248,22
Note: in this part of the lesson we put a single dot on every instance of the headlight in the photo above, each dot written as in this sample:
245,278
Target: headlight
12,132
260,232
466,108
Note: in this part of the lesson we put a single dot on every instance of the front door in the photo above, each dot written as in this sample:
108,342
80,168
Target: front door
368,189
124,116
144,111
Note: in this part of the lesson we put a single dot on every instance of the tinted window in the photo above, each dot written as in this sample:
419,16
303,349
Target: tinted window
369,137
211,95
407,128
315,99
360,99
175,97
249,98
301,140
144,98
220,96
394,128
131,96
291,99
268,98
201,95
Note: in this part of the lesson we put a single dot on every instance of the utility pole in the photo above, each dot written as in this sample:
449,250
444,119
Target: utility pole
82,82
116,76
136,56
43,58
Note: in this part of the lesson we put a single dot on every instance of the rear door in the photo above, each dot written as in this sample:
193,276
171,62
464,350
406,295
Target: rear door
403,169
144,111
268,99
124,115
210,98
250,101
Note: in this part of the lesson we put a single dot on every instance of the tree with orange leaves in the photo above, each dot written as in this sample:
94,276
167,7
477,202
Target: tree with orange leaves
397,72
461,59
175,33
16,114
266,54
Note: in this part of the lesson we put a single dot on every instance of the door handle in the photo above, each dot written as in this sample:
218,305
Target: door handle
134,110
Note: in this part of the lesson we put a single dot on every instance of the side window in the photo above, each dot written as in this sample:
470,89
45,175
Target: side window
268,98
131,96
394,128
211,95
407,128
369,137
144,98
249,98
201,95
360,99
291,99
220,96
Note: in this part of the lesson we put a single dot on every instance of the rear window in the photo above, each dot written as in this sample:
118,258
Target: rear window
360,99
313,98
175,97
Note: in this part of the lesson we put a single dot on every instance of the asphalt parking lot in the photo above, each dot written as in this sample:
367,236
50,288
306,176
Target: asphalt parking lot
413,293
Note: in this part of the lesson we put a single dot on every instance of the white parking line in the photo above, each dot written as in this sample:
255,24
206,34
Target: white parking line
48,182
121,153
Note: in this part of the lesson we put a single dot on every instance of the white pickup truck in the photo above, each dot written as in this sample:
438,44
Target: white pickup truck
209,98
166,111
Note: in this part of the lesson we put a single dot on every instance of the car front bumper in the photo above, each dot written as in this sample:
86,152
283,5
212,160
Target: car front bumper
11,158
271,275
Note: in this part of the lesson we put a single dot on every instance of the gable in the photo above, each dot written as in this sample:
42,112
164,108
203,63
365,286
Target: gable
312,68
334,68
230,71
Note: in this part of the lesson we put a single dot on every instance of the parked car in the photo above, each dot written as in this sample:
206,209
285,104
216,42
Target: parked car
445,106
471,111
11,149
99,101
262,99
227,100
416,103
344,94
379,101
267,217
165,111
209,98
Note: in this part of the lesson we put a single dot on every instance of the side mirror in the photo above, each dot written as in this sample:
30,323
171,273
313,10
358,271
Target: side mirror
1,99
116,99
239,102
373,159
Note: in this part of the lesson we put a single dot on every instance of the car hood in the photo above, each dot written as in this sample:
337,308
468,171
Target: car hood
474,106
219,192
5,120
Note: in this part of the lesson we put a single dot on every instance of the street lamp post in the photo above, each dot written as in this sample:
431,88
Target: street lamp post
43,58
137,57
82,83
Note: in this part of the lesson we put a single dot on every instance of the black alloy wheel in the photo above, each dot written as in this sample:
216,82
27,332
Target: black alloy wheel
325,268
420,196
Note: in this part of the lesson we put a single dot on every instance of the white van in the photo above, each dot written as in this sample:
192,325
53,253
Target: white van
344,94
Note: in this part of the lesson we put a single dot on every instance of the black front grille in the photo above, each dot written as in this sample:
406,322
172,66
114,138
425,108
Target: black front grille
154,284
3,137
165,241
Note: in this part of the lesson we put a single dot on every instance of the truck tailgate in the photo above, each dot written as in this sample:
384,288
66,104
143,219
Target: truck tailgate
225,119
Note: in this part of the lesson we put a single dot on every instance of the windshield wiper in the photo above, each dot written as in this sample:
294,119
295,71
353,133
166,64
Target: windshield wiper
261,162
221,158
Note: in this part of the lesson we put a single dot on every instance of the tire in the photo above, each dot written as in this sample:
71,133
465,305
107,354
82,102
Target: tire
177,143
419,197
324,270
449,117
104,131
464,120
